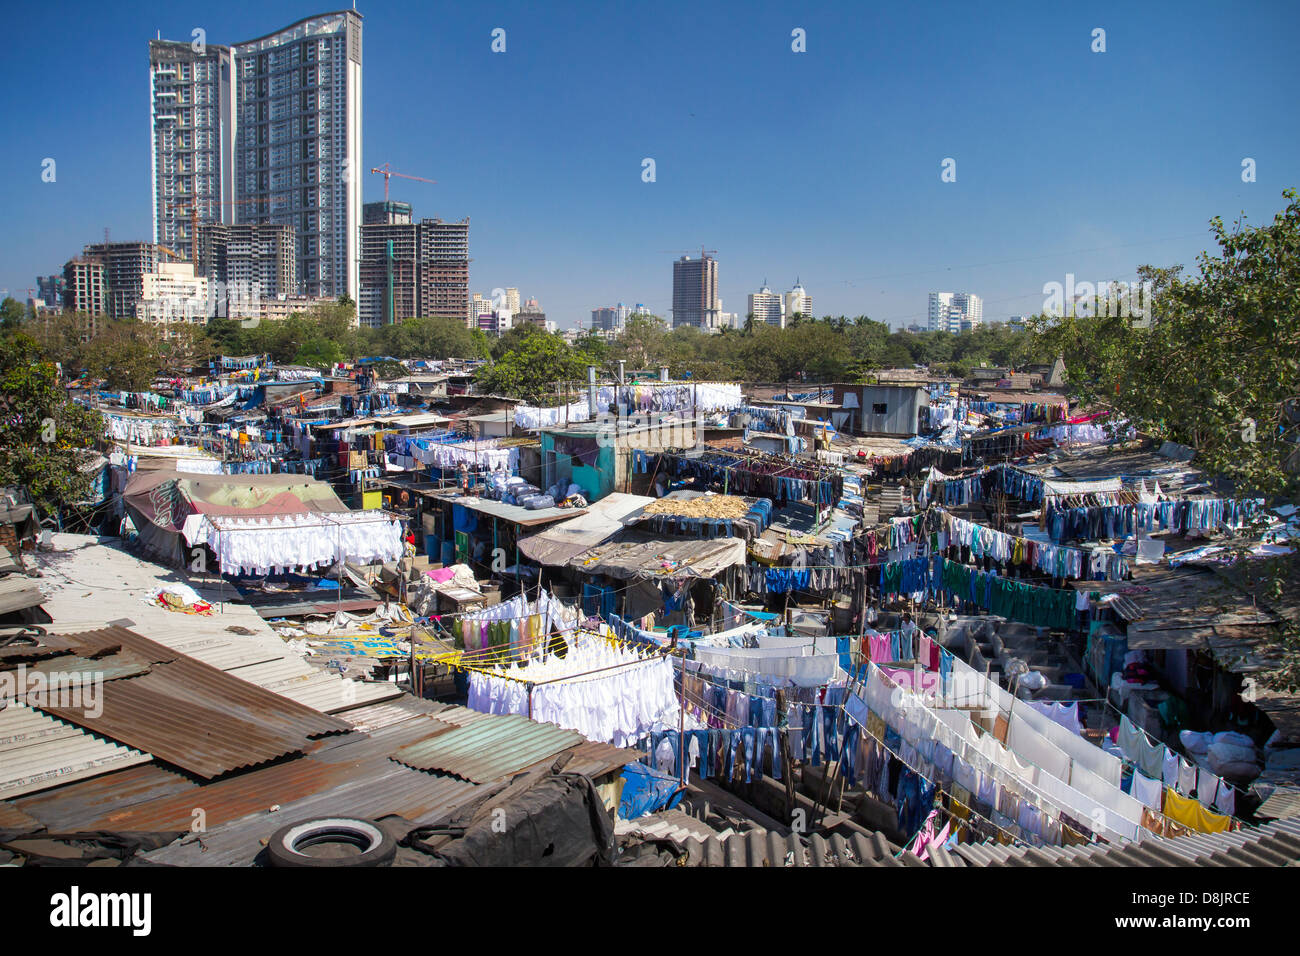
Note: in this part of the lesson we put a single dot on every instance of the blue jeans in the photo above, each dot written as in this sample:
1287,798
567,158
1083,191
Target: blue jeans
706,752
748,738
849,759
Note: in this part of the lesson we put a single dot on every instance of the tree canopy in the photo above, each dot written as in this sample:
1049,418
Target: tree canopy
42,434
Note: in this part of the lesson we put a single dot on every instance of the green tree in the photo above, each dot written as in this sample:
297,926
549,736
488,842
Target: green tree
532,367
318,352
1214,365
127,355
12,313
226,336
43,436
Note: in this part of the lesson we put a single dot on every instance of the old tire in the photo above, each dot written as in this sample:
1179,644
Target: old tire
368,843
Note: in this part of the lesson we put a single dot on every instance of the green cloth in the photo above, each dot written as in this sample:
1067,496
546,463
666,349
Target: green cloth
1014,600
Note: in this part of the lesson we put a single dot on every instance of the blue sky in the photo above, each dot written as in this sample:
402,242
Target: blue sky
824,164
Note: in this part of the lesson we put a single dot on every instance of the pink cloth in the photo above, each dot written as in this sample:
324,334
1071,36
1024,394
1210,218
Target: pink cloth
441,574
881,652
927,839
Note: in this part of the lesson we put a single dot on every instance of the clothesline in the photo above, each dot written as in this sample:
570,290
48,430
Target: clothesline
939,788
984,763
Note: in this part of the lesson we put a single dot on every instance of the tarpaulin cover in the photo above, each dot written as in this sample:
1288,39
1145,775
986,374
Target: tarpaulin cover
646,790
158,502
165,499
462,519
637,557
558,821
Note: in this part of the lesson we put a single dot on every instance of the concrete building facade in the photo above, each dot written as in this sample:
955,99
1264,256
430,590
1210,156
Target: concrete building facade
191,111
298,143
695,293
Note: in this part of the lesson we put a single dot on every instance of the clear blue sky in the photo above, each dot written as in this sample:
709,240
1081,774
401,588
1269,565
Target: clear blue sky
824,164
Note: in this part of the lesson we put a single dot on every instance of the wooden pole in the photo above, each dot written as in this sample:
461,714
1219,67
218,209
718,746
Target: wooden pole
787,765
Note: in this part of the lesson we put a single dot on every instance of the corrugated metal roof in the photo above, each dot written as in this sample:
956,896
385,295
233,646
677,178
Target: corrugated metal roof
487,750
604,519
1274,844
38,751
638,556
760,848
195,716
155,798
18,593
524,517
377,716
394,789
11,818
594,759
71,671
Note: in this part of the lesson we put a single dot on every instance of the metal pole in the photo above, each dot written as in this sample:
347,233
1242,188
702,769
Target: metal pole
681,730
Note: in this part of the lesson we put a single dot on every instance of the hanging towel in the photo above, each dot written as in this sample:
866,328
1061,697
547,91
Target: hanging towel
1207,787
1147,791
1191,814
1170,774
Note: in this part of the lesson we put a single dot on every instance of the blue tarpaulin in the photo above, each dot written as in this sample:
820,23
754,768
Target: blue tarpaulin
646,790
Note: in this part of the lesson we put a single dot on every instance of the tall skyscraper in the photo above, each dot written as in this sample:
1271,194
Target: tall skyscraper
444,267
512,299
955,312
767,307
606,319
266,131
798,301
125,265
298,143
191,107
411,269
246,264
695,292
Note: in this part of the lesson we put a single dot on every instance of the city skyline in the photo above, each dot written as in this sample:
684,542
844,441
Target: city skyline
877,226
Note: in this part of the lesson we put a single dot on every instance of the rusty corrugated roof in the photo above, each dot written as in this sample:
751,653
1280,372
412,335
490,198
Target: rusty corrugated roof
487,750
153,798
195,716
11,818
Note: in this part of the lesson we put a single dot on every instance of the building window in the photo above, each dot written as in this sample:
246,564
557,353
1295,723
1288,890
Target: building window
879,408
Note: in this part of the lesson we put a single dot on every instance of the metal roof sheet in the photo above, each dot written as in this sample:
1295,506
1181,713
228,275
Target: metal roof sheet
1274,844
525,517
18,593
487,750
394,789
638,556
39,751
196,716
568,539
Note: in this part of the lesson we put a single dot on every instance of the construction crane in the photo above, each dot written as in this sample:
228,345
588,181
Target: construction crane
387,171
703,252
